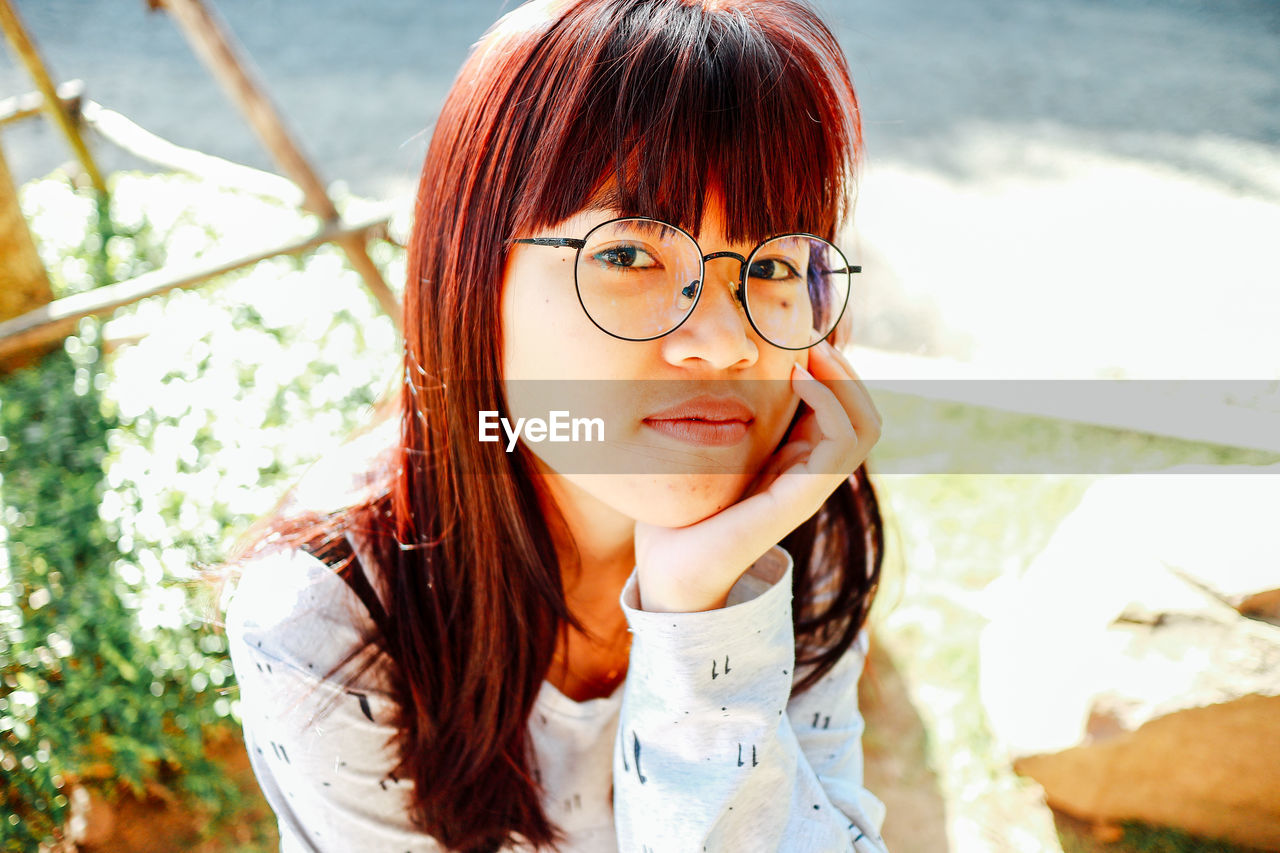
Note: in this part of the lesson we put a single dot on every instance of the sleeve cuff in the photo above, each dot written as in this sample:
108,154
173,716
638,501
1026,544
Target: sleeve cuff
750,638
762,577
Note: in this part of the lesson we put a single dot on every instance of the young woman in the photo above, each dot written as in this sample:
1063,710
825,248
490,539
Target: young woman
648,644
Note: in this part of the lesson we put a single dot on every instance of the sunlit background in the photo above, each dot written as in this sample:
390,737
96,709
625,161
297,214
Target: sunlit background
1079,190
1072,189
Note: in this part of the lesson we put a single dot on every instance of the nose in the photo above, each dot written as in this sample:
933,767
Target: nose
717,332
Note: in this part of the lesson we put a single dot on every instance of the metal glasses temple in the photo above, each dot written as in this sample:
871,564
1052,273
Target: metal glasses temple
575,243
563,242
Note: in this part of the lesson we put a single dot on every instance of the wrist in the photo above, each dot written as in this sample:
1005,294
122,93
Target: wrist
655,598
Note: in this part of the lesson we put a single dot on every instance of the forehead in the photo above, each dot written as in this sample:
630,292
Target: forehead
606,204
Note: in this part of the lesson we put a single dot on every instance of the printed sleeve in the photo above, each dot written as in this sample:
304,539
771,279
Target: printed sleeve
319,746
711,753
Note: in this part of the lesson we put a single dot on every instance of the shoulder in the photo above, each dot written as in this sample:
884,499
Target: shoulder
290,607
320,735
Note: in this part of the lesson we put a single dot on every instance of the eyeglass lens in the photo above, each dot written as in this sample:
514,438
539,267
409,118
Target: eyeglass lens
638,279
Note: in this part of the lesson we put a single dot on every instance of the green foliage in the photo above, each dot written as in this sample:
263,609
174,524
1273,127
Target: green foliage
81,695
124,474
1143,838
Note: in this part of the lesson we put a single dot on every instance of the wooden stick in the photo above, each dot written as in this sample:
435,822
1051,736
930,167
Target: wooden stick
30,56
145,145
24,283
58,318
213,43
19,107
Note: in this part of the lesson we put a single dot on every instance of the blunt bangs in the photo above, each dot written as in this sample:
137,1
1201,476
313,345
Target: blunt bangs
671,101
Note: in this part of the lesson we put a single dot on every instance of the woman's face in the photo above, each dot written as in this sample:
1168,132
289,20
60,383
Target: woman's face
649,470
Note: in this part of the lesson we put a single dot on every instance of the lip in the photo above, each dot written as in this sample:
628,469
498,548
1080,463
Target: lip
706,408
705,421
702,433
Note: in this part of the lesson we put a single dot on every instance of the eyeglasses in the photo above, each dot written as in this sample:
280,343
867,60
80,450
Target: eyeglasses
640,278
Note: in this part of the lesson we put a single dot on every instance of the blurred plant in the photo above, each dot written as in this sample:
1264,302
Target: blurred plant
82,697
122,474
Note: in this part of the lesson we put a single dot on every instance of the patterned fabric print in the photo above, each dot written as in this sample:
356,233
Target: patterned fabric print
692,752
704,740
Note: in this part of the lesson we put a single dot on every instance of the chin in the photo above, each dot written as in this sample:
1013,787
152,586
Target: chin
670,500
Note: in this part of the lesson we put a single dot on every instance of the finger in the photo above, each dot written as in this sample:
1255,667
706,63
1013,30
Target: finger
790,454
839,355
791,496
859,409
790,491
828,408
833,374
806,427
842,360
856,399
835,452
794,452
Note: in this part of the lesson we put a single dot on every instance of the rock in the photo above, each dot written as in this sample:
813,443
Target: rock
1133,670
92,819
1241,570
1106,833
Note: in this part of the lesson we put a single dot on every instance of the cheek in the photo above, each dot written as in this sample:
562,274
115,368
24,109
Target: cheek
783,400
533,321
546,333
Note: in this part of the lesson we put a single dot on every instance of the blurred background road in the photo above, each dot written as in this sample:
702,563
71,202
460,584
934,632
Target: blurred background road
1051,189
1070,189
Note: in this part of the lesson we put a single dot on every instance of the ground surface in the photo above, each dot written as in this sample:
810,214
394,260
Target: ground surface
1079,188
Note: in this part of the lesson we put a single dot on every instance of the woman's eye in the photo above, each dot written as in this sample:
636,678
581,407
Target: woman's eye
772,269
626,257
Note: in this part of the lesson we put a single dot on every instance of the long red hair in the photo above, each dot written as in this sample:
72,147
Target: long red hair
658,100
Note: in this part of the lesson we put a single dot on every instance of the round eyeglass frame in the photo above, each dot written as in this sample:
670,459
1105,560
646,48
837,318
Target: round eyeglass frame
744,264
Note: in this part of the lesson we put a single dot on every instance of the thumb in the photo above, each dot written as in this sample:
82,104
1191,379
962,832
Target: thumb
789,455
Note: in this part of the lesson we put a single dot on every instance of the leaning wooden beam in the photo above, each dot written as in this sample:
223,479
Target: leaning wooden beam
145,145
30,105
26,50
24,284
213,43
58,318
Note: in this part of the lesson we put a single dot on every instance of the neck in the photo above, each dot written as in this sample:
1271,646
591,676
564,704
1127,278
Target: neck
605,554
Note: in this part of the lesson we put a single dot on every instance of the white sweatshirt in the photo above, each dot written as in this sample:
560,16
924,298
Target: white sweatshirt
702,745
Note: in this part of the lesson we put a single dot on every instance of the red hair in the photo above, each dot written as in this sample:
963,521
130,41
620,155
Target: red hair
654,103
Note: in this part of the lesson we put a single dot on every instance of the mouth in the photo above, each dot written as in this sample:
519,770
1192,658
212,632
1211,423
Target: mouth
704,421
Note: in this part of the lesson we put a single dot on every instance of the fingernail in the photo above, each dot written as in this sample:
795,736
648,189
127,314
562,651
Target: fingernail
801,370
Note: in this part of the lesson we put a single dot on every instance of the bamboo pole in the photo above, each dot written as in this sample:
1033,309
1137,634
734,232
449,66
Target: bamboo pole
19,107
141,143
58,319
26,50
24,283
214,44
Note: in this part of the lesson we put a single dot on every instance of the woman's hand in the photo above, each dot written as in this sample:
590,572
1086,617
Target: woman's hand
693,568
